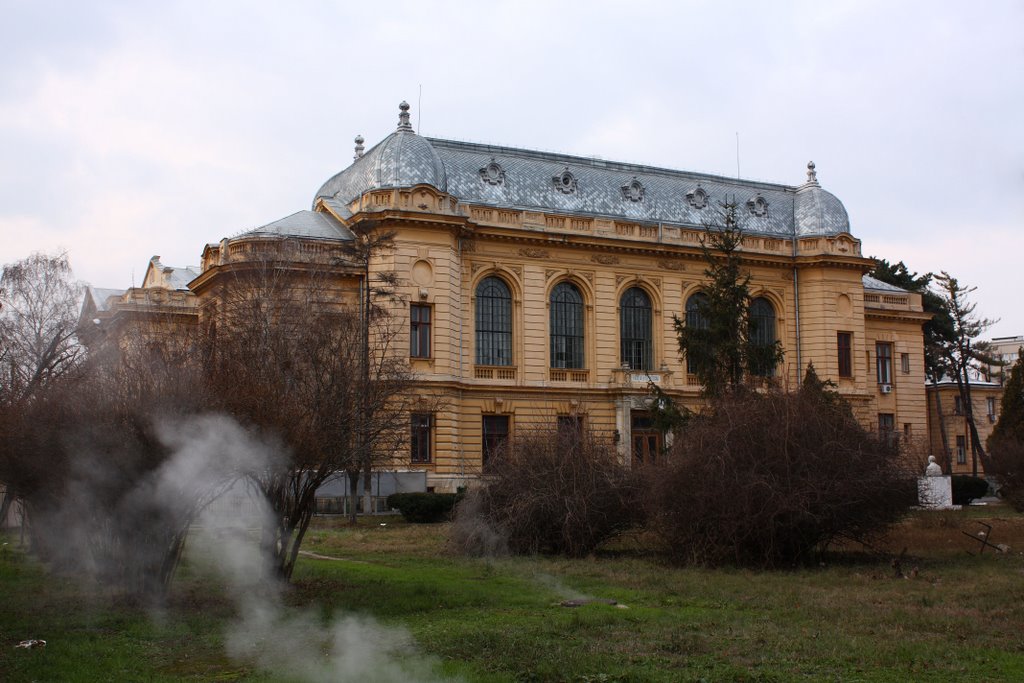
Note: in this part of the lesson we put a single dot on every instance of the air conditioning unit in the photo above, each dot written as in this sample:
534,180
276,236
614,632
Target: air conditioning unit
885,388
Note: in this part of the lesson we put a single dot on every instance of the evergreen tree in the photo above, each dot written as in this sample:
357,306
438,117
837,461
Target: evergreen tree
718,342
1011,408
1007,440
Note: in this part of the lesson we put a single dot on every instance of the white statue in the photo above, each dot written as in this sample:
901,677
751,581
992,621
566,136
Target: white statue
933,469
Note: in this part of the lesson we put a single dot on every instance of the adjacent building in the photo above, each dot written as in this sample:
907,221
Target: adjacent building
949,436
1006,350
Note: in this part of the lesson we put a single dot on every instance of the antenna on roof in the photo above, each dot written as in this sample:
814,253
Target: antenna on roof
737,155
419,110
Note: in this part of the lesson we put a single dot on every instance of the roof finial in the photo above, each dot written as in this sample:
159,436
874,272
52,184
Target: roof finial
359,147
403,117
812,175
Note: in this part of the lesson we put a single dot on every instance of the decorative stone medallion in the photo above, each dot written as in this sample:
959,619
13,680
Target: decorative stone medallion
634,191
698,198
758,206
566,182
492,173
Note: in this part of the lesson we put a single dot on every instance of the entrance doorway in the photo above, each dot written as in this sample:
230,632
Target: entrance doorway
647,440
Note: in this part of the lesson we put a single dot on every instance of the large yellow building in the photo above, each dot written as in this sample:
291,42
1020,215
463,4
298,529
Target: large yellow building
540,289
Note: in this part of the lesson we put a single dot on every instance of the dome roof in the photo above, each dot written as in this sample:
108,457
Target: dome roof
817,212
402,159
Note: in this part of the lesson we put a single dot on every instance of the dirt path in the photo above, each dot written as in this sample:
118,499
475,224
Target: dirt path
318,556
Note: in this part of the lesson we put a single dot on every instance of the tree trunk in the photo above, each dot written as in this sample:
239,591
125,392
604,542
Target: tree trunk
947,457
298,533
353,495
976,447
5,506
367,487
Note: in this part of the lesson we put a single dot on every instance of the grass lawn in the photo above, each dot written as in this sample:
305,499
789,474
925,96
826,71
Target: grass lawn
956,617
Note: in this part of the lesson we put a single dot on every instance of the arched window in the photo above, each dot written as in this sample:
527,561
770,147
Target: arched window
635,329
762,337
696,318
493,322
566,326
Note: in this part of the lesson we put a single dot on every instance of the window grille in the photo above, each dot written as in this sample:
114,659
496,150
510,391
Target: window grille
635,329
419,331
762,337
696,318
493,322
566,326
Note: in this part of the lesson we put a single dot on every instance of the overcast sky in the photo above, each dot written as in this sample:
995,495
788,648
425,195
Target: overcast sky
129,129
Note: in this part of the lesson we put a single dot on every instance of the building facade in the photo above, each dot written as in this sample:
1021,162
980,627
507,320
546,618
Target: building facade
947,415
1006,350
540,290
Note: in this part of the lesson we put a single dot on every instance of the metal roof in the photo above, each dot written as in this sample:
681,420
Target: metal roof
874,283
527,179
309,224
101,295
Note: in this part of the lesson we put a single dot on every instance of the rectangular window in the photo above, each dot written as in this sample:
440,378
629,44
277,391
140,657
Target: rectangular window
958,406
495,436
886,427
990,403
420,436
883,362
906,429
570,424
905,363
844,342
419,331
961,449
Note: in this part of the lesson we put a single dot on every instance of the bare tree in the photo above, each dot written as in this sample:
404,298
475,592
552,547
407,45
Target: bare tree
376,336
39,303
89,454
962,354
39,306
292,356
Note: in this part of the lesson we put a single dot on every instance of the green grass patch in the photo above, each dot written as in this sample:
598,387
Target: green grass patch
955,617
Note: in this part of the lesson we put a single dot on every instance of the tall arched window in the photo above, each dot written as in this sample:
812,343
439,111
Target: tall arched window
493,322
696,318
566,326
635,329
762,337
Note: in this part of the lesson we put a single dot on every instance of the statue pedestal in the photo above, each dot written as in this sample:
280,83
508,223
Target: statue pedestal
935,493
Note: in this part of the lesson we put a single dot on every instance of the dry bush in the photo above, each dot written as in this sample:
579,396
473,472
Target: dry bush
551,492
91,458
1008,467
770,480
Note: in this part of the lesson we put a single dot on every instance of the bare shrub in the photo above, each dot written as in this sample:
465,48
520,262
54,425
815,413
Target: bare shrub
93,462
551,492
473,533
770,480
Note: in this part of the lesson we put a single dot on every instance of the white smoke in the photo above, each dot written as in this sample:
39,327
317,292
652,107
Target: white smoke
268,634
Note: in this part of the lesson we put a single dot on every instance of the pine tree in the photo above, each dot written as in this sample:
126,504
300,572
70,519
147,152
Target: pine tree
1011,408
963,355
1007,440
720,348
